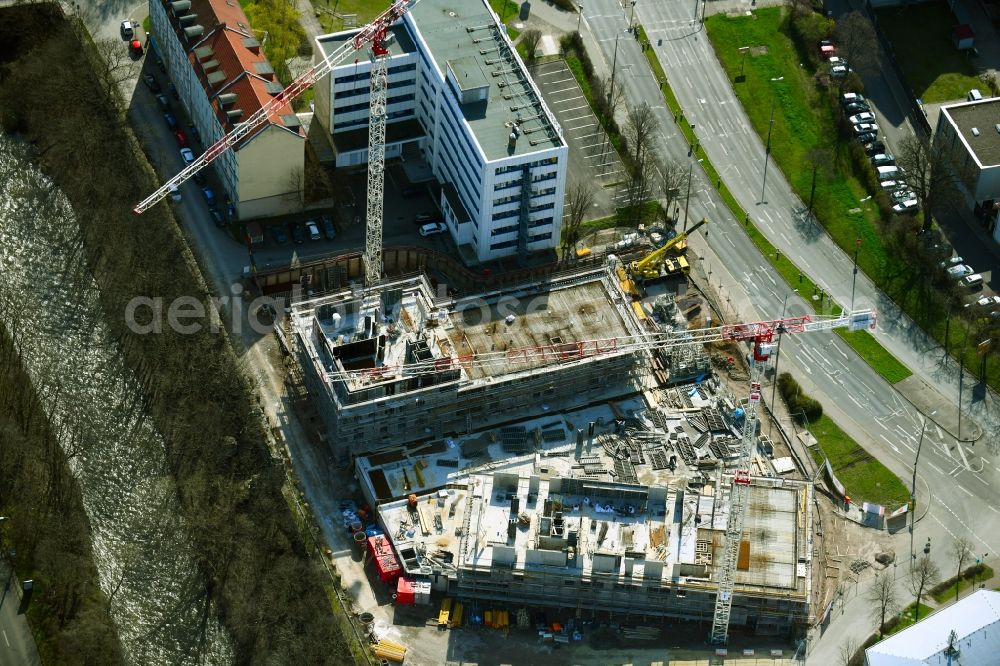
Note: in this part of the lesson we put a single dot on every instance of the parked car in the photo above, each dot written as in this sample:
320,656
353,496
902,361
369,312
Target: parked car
159,63
852,98
199,178
297,234
327,223
827,50
426,216
175,194
135,48
974,281
866,128
313,230
432,228
985,302
904,207
904,194
883,159
127,30
187,156
151,83
209,196
170,120
181,138
951,261
193,131
874,147
857,107
863,117
839,71
959,271
217,217
866,138
172,89
278,234
163,102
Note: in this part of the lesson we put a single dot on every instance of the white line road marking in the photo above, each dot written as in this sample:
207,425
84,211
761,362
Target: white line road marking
5,639
993,508
837,349
935,467
575,108
980,480
966,491
958,468
860,407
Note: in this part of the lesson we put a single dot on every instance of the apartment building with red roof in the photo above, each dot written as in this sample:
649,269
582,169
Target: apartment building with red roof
222,78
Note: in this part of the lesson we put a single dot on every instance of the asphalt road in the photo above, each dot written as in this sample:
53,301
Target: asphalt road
960,479
17,646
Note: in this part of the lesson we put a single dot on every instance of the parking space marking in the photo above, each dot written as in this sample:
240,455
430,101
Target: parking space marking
562,90
575,108
573,99
578,127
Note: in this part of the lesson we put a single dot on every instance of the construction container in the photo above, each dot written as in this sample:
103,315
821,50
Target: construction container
405,593
384,556
743,561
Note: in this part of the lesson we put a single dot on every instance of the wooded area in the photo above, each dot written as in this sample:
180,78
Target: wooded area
257,573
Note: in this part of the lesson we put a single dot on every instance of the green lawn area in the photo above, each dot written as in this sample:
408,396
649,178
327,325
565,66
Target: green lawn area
967,580
365,10
906,618
921,38
875,355
864,477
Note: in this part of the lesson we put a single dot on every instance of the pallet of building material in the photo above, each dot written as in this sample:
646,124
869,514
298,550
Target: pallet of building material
658,459
698,422
641,633
456,616
514,439
716,422
390,650
625,472
553,436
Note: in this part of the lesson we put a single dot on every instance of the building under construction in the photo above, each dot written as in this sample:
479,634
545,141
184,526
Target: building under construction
619,508
551,347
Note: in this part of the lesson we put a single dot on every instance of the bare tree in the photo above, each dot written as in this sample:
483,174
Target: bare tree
640,126
961,550
989,81
931,172
882,595
579,200
637,188
296,184
924,574
674,175
856,42
847,651
819,159
530,39
117,66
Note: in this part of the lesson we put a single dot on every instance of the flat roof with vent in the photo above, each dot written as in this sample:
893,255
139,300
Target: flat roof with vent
466,33
978,123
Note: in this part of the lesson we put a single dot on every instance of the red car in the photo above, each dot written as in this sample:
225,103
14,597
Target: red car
827,50
182,140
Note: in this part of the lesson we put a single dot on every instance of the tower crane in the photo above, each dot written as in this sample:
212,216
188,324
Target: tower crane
759,334
373,34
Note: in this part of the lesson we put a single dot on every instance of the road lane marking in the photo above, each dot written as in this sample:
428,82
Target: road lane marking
993,508
5,639
981,480
966,491
935,467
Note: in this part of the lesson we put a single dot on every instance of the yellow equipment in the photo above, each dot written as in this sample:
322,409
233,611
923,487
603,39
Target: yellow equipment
649,267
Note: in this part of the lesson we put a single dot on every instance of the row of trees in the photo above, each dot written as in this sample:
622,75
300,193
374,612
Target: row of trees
256,574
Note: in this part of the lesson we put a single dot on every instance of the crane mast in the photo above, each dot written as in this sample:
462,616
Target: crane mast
374,33
376,162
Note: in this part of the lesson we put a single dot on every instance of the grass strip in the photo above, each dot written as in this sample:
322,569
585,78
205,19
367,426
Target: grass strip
972,576
864,477
877,356
906,618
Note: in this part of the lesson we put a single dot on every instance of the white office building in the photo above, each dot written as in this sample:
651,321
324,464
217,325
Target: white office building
459,98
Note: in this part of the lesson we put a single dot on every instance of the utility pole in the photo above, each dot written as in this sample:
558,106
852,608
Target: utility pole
631,18
961,377
767,149
579,15
777,356
913,486
614,65
857,247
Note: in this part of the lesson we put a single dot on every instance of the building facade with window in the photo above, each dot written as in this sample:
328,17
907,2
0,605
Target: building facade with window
459,98
222,78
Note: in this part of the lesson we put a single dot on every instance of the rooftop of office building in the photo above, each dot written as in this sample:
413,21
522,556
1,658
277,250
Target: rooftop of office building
466,37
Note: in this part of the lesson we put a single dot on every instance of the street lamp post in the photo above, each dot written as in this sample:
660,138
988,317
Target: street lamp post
854,281
913,486
631,17
767,148
614,65
777,354
961,379
579,15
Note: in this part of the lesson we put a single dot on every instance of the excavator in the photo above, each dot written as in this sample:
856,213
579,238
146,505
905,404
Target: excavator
657,264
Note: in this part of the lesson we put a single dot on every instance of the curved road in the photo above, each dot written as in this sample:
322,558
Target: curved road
962,479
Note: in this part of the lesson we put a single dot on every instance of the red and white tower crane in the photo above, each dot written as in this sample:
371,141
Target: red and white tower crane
373,34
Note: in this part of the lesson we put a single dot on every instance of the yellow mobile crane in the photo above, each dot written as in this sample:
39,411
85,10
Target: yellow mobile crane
657,264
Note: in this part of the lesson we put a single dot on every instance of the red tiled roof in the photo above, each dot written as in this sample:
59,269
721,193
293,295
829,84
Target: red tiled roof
226,29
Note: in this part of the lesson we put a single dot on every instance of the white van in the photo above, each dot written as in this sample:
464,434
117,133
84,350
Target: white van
974,95
887,172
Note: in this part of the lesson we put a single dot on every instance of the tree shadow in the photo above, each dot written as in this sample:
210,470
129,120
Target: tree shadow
806,224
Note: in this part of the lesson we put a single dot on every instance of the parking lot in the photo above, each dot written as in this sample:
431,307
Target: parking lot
592,158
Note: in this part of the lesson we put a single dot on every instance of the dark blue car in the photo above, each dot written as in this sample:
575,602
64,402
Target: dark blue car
170,120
